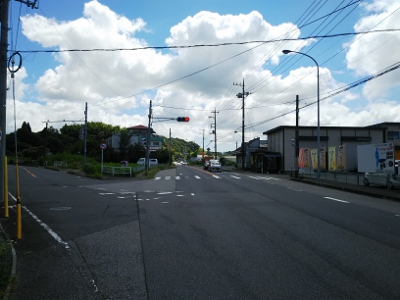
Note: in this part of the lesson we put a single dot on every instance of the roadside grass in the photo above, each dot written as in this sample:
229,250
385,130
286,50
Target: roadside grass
5,264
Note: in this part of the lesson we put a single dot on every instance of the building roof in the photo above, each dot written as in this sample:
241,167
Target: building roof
140,128
384,125
279,128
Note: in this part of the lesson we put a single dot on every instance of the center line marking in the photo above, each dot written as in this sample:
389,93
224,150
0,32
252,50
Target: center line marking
336,200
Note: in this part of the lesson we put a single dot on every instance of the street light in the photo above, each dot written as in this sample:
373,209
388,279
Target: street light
318,122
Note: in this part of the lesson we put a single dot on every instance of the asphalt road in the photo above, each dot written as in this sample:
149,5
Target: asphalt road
189,234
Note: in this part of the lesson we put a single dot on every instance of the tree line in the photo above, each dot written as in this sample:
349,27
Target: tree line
69,139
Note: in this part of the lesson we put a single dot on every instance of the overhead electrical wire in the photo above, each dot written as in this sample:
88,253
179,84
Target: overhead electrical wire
212,45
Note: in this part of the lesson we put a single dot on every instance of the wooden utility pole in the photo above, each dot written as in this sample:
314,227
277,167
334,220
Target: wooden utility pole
3,89
242,95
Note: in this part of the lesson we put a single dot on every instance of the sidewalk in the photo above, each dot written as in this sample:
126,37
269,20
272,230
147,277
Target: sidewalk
373,191
346,182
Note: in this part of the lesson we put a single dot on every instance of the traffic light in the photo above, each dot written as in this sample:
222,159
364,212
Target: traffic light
182,119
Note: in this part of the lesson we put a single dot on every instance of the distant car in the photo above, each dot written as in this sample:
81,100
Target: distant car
183,162
214,165
152,162
385,179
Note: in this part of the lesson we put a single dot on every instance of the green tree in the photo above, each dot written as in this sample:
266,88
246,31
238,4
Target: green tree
124,142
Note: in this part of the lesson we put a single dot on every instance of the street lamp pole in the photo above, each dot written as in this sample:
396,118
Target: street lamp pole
318,114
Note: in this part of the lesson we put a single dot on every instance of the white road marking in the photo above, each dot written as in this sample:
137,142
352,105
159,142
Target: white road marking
197,177
235,177
180,195
177,177
106,194
164,202
157,178
216,176
334,199
164,193
290,188
167,177
45,226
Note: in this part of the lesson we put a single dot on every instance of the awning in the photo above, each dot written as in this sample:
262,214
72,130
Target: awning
273,154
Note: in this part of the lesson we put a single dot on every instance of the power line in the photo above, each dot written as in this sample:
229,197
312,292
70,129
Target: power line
212,45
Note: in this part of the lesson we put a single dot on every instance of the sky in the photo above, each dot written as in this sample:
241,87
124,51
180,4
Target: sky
193,58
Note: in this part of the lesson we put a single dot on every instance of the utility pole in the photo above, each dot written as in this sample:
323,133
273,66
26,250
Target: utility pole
170,147
85,139
3,91
215,112
242,95
147,163
203,145
296,147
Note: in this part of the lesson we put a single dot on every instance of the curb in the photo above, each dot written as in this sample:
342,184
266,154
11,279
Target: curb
14,263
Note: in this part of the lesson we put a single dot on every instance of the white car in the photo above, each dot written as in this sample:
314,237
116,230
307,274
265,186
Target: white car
152,162
385,179
214,165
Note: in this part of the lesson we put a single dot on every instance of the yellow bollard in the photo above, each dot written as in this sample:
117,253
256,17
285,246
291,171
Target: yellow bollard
19,214
5,188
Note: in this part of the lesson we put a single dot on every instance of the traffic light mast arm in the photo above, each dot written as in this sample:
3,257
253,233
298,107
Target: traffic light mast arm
179,119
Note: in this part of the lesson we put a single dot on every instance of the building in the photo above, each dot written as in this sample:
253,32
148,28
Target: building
281,140
258,158
138,136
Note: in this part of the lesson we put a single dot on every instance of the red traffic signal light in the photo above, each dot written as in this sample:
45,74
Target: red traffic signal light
182,119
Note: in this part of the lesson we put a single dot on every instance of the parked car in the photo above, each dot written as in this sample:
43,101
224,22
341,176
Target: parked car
206,164
152,162
214,165
385,179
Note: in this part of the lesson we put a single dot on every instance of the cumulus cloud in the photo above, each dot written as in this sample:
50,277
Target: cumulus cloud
371,53
195,82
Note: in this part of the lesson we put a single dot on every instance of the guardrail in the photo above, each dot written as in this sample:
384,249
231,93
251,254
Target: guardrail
118,170
343,177
60,164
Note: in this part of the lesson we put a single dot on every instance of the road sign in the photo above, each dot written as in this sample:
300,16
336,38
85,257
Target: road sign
103,146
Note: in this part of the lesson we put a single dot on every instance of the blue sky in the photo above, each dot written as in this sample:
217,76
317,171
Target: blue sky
118,85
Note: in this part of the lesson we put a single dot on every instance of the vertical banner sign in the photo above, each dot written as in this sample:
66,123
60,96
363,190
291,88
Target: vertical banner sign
306,158
323,158
300,162
342,157
314,159
332,158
